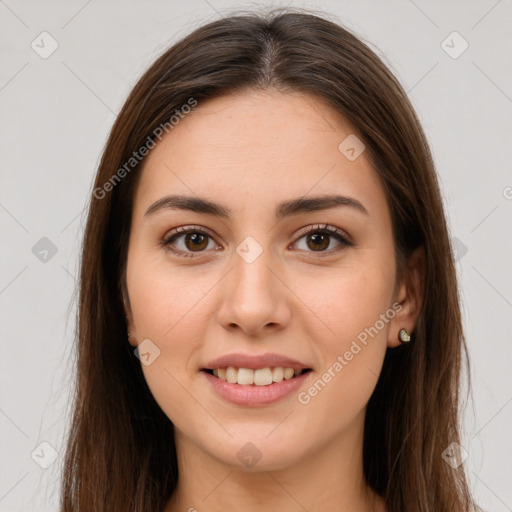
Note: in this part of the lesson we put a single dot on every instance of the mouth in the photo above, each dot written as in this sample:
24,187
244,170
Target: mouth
255,377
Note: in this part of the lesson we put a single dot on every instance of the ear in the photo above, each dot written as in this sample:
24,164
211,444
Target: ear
409,295
132,338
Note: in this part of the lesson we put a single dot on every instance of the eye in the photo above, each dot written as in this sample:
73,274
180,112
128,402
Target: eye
318,238
194,239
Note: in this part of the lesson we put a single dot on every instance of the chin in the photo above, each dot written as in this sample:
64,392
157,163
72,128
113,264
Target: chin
258,454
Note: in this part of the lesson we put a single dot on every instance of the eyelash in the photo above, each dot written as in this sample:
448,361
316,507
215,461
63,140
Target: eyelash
325,229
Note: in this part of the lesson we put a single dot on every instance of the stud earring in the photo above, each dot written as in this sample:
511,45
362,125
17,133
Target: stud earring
404,336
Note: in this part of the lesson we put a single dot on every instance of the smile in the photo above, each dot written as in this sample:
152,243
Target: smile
253,394
255,377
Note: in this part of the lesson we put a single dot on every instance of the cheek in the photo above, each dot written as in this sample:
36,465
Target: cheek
169,307
361,297
356,309
345,301
165,306
162,296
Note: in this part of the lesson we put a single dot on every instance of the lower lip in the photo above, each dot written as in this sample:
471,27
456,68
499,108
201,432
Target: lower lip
253,396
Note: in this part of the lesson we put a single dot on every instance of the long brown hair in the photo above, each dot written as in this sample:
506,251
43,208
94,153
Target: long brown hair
120,452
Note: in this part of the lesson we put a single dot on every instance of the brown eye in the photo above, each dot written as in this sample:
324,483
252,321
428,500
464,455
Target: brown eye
196,241
318,241
189,240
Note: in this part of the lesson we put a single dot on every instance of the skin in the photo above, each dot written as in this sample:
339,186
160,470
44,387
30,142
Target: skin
249,152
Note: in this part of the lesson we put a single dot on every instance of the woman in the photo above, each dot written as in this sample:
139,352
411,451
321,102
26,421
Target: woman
268,314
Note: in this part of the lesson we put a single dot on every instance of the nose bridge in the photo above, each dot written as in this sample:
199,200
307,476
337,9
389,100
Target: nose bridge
253,273
253,279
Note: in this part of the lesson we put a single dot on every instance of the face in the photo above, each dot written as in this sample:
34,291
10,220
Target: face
316,285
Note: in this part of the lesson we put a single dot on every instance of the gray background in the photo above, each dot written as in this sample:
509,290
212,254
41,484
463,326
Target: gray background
55,116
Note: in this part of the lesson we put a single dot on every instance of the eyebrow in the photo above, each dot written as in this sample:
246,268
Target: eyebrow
284,209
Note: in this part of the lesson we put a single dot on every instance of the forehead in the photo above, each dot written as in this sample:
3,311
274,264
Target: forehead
261,148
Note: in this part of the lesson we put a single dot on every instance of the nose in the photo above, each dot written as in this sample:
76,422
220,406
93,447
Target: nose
253,297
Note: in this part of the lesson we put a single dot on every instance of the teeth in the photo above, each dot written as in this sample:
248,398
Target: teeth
262,376
288,373
259,377
231,374
277,374
245,376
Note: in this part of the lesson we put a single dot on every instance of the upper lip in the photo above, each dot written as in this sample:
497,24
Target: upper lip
239,360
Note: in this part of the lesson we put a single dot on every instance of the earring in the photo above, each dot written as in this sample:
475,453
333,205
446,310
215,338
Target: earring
404,336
